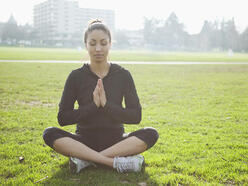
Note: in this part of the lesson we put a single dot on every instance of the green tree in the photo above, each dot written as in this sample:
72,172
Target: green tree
11,32
150,26
172,33
244,40
229,35
205,36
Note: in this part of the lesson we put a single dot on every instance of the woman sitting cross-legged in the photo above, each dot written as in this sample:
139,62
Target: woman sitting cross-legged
99,88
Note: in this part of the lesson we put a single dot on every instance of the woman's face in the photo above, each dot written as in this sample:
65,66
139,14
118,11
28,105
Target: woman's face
98,45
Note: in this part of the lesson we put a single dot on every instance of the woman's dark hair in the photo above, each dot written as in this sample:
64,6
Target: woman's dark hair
96,25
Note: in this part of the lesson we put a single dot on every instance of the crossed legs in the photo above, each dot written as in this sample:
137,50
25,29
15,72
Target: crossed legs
70,147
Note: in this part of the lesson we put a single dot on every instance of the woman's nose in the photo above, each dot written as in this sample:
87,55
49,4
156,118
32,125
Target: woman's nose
98,48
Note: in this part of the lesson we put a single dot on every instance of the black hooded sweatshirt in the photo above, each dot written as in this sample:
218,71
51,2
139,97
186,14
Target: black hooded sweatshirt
118,85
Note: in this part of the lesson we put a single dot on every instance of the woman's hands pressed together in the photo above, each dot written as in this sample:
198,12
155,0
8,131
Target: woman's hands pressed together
99,96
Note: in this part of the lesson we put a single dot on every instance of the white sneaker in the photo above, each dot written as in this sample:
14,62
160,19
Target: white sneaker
76,165
129,163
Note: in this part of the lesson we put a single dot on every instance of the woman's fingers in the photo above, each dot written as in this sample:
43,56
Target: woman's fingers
100,85
102,93
96,96
99,82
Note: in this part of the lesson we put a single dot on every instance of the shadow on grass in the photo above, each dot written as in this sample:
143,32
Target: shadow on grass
99,175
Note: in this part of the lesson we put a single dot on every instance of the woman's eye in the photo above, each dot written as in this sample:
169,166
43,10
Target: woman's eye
104,43
92,43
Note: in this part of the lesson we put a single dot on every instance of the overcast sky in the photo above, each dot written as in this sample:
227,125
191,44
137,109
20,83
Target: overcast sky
130,13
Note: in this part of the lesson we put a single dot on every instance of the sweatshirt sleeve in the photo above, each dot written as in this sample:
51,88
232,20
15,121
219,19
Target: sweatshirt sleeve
131,114
67,114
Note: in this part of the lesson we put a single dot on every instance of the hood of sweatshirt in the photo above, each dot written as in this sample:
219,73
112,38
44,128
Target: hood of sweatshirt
114,68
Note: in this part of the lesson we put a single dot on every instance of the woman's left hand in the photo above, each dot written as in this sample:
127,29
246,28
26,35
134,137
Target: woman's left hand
102,94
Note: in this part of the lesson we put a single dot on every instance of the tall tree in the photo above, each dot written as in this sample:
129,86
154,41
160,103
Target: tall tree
244,40
205,36
150,26
10,31
173,34
230,35
216,35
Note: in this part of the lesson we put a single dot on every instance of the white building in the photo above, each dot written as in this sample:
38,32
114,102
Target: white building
61,20
87,14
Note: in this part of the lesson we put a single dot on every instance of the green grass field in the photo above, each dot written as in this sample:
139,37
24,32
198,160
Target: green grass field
200,112
116,55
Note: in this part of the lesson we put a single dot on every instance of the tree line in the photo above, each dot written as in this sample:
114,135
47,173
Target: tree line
13,34
168,34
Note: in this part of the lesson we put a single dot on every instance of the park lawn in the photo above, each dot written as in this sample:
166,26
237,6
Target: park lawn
18,53
200,112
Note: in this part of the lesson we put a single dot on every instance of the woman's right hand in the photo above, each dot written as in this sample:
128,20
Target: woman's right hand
96,96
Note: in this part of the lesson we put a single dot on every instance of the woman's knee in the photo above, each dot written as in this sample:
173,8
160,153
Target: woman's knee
148,134
152,133
50,134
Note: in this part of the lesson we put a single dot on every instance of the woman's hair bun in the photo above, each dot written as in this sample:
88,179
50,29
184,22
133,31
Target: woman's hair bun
95,21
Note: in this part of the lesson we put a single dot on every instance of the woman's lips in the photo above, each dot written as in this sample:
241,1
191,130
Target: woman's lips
98,55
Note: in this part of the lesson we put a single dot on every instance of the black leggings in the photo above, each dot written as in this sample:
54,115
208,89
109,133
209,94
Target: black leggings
101,139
